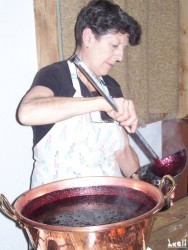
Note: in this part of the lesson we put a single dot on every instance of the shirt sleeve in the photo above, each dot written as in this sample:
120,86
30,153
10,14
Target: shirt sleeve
113,87
49,77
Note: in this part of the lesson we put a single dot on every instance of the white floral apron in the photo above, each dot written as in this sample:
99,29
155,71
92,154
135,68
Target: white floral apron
77,147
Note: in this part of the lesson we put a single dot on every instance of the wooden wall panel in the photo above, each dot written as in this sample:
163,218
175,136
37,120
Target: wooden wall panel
183,58
46,25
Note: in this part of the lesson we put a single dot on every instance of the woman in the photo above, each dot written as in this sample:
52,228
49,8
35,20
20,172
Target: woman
76,131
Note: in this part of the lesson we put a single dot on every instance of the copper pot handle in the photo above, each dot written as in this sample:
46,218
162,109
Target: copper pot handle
162,184
8,210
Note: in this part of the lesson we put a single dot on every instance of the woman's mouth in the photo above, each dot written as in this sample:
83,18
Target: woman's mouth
110,65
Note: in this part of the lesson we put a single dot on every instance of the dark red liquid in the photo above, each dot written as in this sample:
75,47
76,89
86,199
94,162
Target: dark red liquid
93,208
171,165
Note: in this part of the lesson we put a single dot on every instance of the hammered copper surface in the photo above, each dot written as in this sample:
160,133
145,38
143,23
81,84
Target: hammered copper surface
131,237
131,234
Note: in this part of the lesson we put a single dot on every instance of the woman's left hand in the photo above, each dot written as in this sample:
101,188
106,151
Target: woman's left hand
126,114
172,199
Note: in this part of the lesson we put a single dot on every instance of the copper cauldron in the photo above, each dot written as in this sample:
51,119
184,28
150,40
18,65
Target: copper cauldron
100,213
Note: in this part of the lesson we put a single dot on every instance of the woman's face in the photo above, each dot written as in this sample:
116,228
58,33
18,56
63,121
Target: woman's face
103,52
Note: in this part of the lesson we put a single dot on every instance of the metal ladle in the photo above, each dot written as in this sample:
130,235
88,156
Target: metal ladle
172,165
137,137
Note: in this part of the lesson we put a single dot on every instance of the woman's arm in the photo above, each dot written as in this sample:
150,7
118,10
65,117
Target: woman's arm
40,106
127,158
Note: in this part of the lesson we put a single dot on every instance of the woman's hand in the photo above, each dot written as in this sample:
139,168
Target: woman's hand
126,114
171,199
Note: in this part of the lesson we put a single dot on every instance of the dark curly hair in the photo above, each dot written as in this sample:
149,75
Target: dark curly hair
104,17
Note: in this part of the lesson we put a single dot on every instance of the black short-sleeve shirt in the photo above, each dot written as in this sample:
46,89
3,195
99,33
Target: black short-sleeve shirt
57,77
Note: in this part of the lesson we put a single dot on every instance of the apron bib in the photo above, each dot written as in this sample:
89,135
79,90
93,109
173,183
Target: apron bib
77,147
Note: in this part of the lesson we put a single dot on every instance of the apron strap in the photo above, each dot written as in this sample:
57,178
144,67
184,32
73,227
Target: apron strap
75,81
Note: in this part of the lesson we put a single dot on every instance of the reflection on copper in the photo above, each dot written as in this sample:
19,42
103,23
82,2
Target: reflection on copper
129,234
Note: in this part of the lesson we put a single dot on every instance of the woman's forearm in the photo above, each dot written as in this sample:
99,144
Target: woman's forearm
127,158
41,107
54,109
128,161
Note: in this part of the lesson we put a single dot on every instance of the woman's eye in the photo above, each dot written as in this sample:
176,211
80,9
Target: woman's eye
114,45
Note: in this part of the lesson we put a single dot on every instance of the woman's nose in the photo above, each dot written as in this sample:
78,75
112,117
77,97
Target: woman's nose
119,55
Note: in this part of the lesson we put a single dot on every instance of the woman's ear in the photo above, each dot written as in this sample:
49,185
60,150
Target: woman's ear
87,37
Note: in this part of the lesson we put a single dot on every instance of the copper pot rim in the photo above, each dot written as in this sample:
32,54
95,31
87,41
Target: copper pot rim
142,186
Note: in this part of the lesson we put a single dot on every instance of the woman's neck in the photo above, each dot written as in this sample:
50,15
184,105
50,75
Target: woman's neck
85,81
83,57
